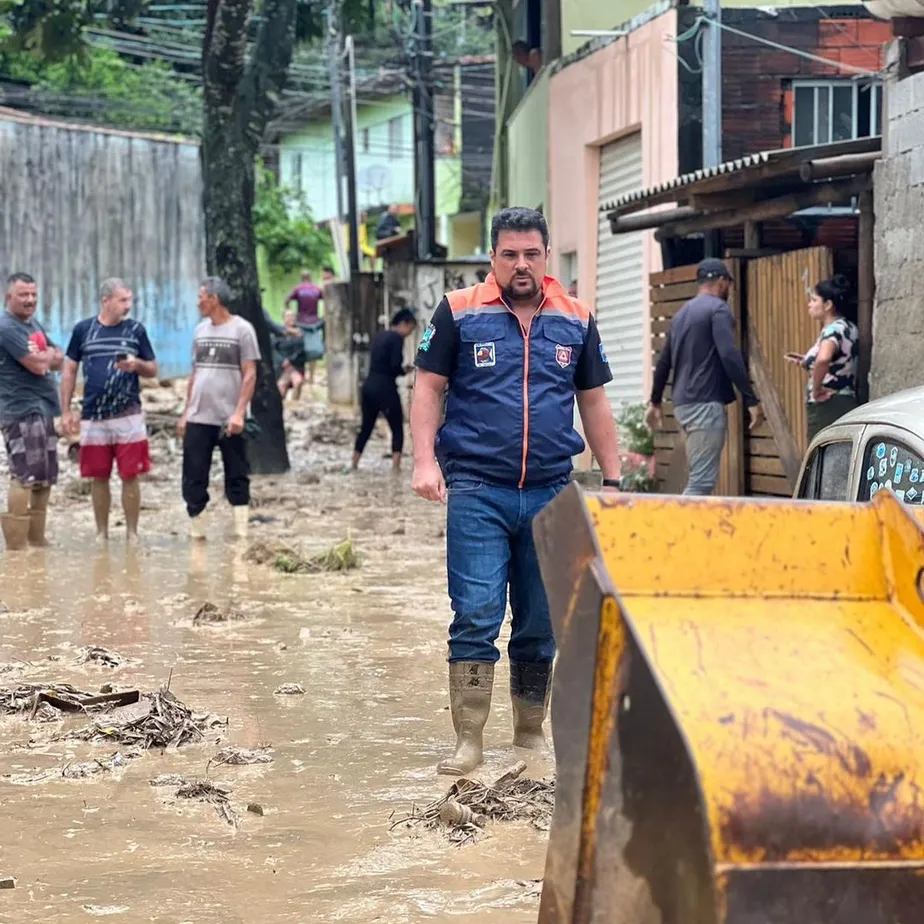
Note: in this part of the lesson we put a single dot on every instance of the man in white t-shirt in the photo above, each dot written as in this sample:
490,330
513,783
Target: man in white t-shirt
225,356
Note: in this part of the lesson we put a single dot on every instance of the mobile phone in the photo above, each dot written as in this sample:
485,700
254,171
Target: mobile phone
796,356
121,357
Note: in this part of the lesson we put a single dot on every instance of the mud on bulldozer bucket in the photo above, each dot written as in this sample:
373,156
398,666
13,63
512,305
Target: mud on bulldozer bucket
738,711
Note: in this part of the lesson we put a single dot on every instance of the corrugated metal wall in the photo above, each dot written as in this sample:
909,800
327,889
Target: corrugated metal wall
79,205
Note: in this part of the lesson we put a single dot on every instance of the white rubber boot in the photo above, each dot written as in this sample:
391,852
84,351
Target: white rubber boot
198,527
530,690
470,686
241,521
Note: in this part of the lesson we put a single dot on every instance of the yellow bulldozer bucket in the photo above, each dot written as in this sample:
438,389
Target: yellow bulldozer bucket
738,711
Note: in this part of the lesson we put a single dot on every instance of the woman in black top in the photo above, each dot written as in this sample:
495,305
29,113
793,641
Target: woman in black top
379,391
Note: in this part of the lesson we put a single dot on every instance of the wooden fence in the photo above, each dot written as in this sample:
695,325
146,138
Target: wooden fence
769,303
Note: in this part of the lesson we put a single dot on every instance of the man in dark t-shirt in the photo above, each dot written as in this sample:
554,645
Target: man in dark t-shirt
28,407
115,351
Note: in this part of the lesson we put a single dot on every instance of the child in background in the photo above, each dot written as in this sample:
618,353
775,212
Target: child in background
291,347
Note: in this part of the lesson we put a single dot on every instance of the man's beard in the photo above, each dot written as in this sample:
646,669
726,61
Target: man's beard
522,295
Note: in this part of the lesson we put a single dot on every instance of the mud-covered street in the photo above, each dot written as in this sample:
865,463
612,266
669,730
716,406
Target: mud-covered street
307,836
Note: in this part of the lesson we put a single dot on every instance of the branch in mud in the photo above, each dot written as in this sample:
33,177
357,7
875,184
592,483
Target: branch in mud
466,809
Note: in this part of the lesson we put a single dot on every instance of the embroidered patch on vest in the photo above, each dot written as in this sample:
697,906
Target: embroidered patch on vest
563,355
485,355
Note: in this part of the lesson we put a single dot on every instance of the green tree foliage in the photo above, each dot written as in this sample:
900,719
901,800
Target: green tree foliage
102,87
283,227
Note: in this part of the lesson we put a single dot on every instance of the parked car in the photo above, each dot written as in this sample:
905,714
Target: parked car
878,445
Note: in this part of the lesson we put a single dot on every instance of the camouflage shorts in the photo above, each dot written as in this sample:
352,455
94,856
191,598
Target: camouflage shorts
32,449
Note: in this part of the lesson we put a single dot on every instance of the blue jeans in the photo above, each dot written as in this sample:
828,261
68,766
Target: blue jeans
704,427
489,544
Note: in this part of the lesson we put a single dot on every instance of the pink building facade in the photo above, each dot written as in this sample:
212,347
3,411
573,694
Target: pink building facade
613,127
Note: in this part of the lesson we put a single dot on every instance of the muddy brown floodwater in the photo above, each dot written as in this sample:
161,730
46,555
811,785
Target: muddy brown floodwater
85,834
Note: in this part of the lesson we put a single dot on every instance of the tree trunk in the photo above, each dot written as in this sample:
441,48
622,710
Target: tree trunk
238,100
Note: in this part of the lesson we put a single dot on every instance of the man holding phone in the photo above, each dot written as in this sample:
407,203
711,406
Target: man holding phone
115,352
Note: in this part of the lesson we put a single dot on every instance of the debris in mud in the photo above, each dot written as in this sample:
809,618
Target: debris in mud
4,609
46,713
468,805
255,808
332,430
209,614
243,756
289,689
168,779
160,422
158,720
63,696
96,654
93,767
306,478
7,882
215,794
284,558
341,557
79,487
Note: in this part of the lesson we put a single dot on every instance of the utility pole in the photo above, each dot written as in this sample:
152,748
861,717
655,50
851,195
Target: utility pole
351,159
422,64
334,53
712,96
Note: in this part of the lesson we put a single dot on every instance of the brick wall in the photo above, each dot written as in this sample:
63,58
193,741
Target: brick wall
757,96
898,318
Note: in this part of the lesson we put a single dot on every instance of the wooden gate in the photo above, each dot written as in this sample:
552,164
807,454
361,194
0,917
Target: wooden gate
773,322
778,323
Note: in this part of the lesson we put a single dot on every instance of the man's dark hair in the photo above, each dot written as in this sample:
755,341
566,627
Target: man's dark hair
518,219
328,269
520,45
19,277
403,316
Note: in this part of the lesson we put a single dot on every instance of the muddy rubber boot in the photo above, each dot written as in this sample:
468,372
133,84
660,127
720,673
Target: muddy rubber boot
38,515
198,527
470,685
530,689
15,531
241,521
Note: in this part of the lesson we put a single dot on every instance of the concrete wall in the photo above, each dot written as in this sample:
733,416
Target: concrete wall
528,147
898,318
626,86
79,204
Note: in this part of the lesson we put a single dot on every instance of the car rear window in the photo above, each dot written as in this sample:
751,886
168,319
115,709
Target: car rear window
827,476
888,463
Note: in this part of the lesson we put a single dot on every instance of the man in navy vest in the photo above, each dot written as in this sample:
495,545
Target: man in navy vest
511,353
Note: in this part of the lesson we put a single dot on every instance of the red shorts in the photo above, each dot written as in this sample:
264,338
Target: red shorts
120,439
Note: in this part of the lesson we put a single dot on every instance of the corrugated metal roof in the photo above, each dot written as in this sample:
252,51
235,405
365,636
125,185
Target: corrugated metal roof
678,182
762,158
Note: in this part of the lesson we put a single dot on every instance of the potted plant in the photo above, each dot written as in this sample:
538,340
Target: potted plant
637,457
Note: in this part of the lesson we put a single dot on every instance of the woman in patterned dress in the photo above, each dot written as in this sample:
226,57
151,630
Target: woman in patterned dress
832,361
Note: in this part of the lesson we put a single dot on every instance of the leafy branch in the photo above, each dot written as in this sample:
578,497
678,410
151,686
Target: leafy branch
283,226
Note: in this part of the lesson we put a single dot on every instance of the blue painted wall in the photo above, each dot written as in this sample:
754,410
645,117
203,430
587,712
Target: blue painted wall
80,204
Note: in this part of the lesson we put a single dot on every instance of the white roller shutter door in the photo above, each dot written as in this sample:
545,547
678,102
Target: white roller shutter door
621,286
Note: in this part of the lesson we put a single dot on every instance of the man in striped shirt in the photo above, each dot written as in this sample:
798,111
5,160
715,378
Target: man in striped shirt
115,352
